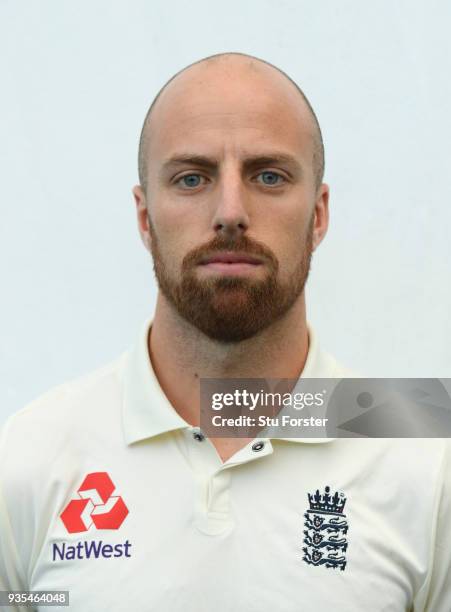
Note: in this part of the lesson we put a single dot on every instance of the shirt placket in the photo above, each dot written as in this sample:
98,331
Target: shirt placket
213,478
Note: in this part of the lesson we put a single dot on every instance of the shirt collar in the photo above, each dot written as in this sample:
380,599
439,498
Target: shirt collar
147,412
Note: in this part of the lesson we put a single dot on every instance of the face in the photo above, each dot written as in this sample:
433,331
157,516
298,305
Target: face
232,213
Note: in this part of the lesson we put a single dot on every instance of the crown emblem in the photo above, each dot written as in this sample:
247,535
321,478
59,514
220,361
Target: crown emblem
326,502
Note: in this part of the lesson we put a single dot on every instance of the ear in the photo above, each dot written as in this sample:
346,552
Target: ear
321,215
142,215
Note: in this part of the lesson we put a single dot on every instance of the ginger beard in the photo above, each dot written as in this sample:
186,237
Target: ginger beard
230,309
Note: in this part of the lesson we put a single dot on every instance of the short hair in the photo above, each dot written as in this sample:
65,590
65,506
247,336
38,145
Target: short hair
318,144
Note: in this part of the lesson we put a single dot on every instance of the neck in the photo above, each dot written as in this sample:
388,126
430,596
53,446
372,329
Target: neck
181,355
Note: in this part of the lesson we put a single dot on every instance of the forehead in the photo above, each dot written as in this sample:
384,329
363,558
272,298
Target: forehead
223,109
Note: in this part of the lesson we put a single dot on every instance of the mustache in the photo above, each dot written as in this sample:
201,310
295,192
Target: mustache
242,244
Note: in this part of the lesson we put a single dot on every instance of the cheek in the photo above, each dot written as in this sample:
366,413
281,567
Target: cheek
181,224
174,237
288,241
286,229
171,214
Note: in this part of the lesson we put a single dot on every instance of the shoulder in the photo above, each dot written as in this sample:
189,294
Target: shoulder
48,424
333,368
322,364
341,371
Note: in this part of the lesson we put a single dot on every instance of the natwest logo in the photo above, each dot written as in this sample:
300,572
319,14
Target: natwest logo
95,505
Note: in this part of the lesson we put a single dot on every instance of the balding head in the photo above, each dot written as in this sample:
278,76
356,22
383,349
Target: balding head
214,78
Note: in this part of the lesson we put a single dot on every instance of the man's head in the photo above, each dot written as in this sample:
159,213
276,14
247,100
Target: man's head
231,164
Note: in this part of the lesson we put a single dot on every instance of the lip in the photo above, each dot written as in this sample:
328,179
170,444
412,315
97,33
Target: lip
230,269
231,258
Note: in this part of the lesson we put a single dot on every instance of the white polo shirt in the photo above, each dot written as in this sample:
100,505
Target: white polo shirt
106,492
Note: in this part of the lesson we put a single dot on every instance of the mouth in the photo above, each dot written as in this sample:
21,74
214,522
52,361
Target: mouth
230,262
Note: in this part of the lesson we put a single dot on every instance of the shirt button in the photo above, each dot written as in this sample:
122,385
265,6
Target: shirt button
198,435
258,446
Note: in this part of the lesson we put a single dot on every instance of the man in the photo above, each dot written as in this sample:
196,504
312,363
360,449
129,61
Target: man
109,488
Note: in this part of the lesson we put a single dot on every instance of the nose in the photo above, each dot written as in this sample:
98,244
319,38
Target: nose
231,218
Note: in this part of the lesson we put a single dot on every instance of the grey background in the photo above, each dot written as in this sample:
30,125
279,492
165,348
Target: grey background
77,78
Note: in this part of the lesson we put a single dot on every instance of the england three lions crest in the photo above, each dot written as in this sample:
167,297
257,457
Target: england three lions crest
325,532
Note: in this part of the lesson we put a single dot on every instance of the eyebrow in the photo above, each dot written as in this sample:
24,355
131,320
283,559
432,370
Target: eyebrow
249,163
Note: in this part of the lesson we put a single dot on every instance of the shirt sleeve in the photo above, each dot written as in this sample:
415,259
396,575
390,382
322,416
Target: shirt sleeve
11,573
439,596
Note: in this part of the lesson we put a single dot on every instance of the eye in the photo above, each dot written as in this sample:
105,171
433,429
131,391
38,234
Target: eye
270,178
190,181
